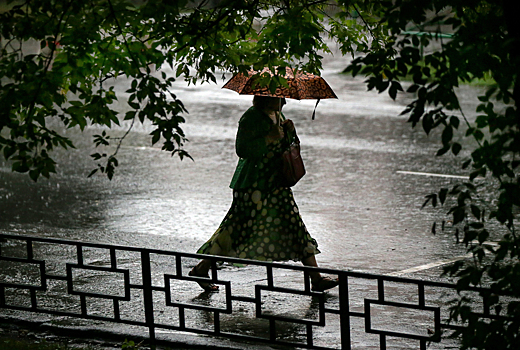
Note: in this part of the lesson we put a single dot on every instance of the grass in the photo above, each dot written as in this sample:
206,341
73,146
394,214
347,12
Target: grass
486,80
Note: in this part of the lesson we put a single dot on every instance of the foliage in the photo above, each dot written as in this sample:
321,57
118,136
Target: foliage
87,45
130,345
483,41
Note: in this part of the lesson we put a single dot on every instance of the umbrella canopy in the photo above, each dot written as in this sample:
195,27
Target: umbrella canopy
301,85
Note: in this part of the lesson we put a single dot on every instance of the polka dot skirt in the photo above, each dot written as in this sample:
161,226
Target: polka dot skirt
263,224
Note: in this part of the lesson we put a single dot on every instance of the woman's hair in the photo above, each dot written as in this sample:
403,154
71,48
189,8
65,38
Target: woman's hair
263,102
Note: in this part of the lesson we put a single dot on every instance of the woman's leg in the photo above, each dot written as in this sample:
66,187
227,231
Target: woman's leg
319,283
202,268
311,261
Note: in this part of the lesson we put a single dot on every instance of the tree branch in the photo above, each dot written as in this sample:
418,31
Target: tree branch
47,66
364,21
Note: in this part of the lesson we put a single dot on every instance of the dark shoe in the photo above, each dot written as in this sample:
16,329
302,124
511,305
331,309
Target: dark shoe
207,286
324,283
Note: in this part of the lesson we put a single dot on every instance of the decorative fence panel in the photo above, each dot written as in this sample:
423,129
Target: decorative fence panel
272,302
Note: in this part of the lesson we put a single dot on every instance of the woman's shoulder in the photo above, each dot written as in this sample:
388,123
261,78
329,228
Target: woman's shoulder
253,116
253,113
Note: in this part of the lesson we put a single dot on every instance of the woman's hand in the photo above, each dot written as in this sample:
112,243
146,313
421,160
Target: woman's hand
288,125
275,134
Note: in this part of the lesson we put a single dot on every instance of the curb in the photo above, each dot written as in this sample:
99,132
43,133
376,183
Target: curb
113,340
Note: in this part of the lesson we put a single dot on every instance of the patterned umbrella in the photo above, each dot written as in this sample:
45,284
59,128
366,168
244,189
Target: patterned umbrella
301,85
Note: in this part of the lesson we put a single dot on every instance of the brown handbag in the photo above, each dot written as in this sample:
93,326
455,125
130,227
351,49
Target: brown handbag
293,168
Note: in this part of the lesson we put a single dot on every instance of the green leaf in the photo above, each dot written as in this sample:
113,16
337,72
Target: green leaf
130,115
9,151
476,225
134,105
34,174
427,123
455,148
475,211
156,136
413,88
97,156
392,92
415,40
20,167
454,122
442,195
394,87
443,151
447,135
432,197
458,215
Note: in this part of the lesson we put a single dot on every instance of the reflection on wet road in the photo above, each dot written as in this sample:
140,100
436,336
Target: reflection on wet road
367,174
360,198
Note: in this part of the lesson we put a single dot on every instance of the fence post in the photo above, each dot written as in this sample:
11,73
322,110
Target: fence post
148,295
344,307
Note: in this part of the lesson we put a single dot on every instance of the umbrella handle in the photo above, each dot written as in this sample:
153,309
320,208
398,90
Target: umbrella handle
314,112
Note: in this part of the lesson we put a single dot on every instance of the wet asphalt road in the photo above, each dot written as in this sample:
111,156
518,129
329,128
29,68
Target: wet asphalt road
355,200
360,198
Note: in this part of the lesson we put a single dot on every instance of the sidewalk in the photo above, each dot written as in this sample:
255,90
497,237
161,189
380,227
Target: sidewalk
86,290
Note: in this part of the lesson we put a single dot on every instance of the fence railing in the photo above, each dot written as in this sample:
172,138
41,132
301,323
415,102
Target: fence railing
151,288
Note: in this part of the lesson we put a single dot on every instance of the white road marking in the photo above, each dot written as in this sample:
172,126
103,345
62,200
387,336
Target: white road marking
431,174
430,265
440,262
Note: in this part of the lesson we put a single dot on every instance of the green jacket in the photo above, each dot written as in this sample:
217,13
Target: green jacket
250,146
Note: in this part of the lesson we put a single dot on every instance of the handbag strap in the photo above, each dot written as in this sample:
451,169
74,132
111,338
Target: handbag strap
296,140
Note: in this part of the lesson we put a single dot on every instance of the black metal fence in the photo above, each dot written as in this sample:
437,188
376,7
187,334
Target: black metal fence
139,287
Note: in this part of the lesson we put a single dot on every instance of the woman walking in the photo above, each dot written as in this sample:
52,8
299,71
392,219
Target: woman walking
263,222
